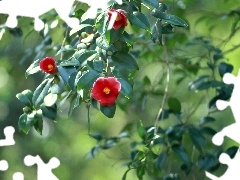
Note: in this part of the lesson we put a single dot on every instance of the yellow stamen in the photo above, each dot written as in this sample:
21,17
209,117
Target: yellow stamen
118,18
50,67
106,90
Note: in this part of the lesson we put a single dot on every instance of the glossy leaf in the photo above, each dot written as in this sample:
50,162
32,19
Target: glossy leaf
153,3
224,68
174,104
206,119
181,152
197,138
124,59
126,88
102,42
113,35
86,81
66,72
108,111
87,55
22,124
161,160
25,97
33,68
141,130
171,19
41,91
78,28
140,20
49,112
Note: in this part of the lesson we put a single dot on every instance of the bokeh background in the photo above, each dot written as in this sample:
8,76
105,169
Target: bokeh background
68,139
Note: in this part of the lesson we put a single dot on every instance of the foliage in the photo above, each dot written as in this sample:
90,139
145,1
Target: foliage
154,57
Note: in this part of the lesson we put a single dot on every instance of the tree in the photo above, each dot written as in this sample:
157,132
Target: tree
148,73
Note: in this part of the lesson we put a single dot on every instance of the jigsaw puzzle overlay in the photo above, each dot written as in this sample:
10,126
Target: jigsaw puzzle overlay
230,131
44,170
35,8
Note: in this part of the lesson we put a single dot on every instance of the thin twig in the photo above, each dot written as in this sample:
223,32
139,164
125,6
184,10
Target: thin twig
165,91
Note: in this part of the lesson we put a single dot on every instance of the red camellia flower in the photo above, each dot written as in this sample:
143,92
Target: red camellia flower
48,65
120,20
106,90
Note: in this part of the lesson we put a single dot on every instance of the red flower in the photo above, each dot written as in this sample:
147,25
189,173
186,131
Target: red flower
120,20
48,65
106,90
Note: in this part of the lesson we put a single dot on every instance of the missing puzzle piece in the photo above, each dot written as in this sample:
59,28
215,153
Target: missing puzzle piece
233,167
3,165
8,132
44,171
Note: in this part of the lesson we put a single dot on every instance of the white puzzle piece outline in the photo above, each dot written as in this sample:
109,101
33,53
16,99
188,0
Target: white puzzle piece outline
8,141
36,8
44,171
230,131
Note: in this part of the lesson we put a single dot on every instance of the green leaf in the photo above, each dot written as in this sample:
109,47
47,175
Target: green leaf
16,32
181,152
140,172
49,112
98,65
101,23
127,38
120,45
113,35
108,111
102,42
153,3
124,59
208,130
161,160
162,7
174,104
172,19
41,91
141,130
157,31
67,73
197,138
140,20
126,88
38,123
206,162
86,81
72,62
78,99
176,21
33,68
206,119
224,68
96,136
79,28
22,123
25,97
197,82
66,48
87,55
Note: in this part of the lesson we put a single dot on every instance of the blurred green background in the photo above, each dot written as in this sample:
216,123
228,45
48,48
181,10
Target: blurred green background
68,139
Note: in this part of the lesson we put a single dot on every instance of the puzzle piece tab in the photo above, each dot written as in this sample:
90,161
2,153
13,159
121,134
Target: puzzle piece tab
44,171
231,131
3,165
233,167
8,141
8,132
36,8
